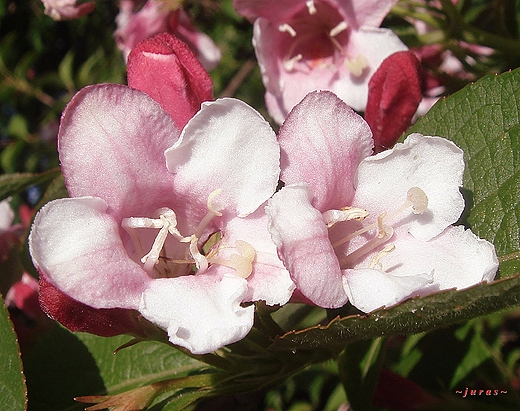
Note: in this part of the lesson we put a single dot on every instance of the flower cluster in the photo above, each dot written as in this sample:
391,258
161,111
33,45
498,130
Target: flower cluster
182,221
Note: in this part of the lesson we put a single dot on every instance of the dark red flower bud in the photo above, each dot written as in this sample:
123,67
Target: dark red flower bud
394,93
399,393
105,322
165,68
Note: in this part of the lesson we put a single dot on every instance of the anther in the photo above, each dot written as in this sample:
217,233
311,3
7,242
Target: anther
418,200
357,65
311,7
286,28
209,202
338,29
331,217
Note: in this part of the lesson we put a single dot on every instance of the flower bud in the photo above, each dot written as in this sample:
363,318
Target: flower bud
164,68
394,93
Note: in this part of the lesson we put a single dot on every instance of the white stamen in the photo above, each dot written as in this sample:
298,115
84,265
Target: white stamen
286,28
311,7
200,260
331,217
289,64
385,232
416,198
209,203
387,249
167,223
357,65
338,29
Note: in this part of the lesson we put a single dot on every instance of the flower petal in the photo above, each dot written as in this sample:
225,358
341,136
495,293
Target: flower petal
303,244
433,164
457,258
111,143
77,246
200,312
374,44
369,289
454,259
322,142
269,281
272,9
227,145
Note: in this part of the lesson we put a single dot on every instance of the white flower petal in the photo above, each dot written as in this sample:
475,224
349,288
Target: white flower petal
227,145
200,312
369,289
433,164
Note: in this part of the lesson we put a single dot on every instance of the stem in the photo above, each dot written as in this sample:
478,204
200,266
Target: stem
24,87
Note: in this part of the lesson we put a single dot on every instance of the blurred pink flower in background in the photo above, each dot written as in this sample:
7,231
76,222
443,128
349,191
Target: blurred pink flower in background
139,20
325,44
67,9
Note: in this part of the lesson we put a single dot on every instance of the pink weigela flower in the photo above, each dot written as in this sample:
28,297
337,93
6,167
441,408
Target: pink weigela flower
146,201
319,44
67,9
372,230
140,20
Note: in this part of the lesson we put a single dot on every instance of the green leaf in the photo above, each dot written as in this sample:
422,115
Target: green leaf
484,120
14,183
412,316
64,365
12,384
359,366
65,71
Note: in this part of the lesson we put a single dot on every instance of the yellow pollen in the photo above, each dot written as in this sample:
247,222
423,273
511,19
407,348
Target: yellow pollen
418,199
332,217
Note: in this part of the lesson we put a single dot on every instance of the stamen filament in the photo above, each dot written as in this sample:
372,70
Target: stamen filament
290,63
200,260
382,237
416,198
338,29
286,28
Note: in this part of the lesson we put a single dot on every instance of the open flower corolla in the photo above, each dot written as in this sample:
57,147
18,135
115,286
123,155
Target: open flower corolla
151,222
306,45
372,230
